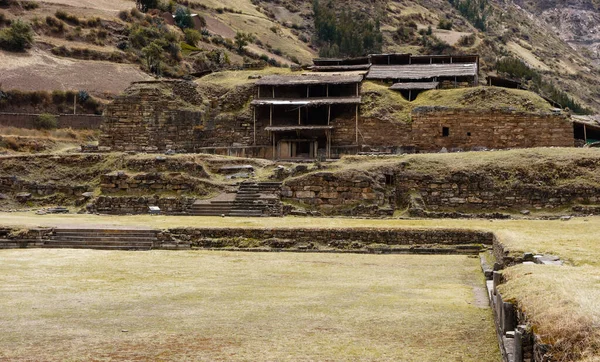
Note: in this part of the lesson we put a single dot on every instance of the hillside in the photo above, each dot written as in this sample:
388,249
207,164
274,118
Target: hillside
90,46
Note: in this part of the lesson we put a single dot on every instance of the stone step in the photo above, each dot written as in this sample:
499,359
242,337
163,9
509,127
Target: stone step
245,214
211,207
104,238
99,247
106,231
100,242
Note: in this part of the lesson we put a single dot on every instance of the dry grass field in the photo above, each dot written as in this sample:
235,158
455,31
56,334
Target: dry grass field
69,305
561,301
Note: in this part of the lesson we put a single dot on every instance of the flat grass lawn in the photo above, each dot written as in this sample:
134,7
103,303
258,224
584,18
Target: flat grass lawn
66,304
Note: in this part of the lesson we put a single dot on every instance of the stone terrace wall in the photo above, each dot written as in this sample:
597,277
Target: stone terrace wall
469,129
75,121
139,204
325,236
476,190
14,184
119,181
328,190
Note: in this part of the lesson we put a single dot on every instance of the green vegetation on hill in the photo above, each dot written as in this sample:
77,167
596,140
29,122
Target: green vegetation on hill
17,37
341,32
516,68
476,11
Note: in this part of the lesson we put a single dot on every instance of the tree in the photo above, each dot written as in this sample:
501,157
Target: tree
242,39
17,37
153,53
145,5
183,18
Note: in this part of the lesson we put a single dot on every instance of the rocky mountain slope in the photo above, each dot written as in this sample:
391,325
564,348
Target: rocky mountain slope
560,39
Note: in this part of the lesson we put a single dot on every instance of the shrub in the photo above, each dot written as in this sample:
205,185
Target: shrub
63,15
30,5
467,40
56,26
445,24
17,37
192,37
45,121
242,39
124,15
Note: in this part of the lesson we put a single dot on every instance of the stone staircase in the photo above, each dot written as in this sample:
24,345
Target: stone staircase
105,239
254,199
220,205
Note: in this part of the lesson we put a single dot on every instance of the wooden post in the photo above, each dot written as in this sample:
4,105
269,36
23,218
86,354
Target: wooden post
254,117
409,94
585,133
357,89
357,124
307,91
273,91
258,92
75,104
327,90
328,114
299,115
274,151
271,115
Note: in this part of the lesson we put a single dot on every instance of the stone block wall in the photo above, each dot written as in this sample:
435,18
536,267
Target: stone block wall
328,190
13,184
119,181
116,205
381,133
494,129
476,191
164,164
326,236
152,119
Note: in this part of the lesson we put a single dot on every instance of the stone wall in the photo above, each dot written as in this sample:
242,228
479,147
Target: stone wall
494,129
119,181
153,117
328,190
120,205
476,190
327,236
14,184
75,121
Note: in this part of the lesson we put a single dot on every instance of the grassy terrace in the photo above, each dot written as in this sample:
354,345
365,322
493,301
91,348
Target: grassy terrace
563,302
94,305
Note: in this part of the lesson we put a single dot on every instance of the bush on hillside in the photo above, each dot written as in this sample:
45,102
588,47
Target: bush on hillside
445,24
17,37
45,121
192,37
